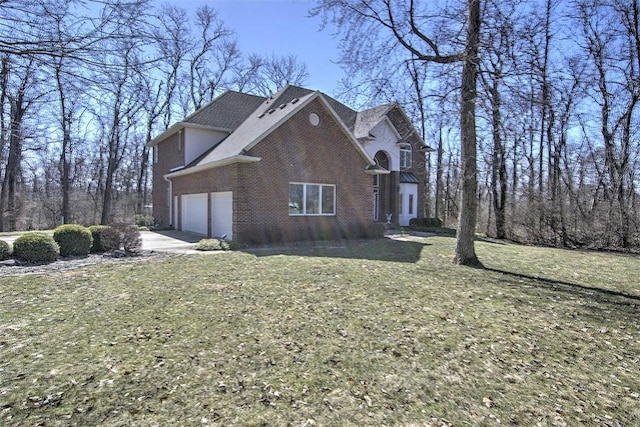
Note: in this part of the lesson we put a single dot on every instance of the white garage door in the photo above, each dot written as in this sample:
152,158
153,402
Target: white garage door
194,213
222,214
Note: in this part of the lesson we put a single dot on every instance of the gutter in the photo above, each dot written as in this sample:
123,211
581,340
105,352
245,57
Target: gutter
238,158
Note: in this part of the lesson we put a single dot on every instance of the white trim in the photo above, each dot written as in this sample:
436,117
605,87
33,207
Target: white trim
177,127
170,202
304,198
336,118
387,120
406,148
219,163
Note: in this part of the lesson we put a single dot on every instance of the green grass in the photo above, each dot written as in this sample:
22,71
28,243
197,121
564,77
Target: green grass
368,333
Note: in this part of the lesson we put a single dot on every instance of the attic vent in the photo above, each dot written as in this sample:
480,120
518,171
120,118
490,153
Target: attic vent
314,119
282,106
295,100
271,110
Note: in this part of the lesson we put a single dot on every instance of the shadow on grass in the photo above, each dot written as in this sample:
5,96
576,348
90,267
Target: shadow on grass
587,292
384,249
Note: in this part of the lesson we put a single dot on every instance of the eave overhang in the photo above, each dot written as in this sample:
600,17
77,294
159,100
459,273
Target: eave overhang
240,158
176,127
376,170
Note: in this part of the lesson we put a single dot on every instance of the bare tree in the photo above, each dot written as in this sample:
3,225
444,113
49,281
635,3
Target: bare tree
408,27
214,55
614,54
276,72
19,100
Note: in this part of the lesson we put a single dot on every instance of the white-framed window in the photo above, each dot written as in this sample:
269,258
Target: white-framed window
312,199
405,156
410,203
155,154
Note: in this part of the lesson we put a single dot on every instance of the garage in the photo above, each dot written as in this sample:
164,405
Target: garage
194,213
222,214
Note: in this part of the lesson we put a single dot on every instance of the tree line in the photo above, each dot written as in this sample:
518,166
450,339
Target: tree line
84,85
558,85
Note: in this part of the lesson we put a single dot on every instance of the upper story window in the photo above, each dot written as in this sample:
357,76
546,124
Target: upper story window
405,156
155,154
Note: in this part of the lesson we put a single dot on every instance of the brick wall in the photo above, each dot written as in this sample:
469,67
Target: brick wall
208,181
300,152
169,157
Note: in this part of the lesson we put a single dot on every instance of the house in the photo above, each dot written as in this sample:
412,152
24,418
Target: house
297,165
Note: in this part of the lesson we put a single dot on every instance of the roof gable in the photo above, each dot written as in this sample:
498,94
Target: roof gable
250,118
368,119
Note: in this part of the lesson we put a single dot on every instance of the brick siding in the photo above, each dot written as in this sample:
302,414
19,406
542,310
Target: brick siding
169,157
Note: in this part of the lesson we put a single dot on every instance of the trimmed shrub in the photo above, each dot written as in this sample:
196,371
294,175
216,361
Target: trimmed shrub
129,237
73,239
96,235
105,238
143,220
214,245
36,247
5,250
110,239
425,222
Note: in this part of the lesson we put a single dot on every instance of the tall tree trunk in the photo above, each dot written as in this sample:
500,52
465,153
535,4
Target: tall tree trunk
465,250
12,171
499,169
438,205
65,153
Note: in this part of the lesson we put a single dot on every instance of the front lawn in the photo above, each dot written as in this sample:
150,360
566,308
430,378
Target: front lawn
377,332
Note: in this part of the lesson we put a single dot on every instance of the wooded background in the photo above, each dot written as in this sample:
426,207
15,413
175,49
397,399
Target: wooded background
85,85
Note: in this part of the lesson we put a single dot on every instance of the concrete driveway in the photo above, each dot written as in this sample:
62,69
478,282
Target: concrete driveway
158,241
169,241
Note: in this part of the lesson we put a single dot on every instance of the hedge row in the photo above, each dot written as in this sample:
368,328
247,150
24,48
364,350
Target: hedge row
73,240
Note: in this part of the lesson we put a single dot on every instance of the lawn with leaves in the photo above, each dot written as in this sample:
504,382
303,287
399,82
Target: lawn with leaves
382,332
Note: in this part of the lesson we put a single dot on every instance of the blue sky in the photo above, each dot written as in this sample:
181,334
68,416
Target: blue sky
282,27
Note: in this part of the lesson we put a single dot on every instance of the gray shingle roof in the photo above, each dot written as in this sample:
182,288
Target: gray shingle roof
248,118
368,119
227,111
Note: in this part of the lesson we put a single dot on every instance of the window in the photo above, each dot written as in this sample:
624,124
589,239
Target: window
312,199
405,156
155,154
410,204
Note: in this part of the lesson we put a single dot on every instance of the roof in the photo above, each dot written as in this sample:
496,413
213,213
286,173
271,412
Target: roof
368,119
227,111
249,118
260,122
408,178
